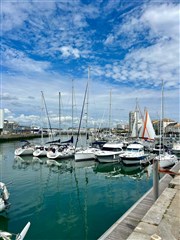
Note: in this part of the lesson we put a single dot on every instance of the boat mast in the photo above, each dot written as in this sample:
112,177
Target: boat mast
60,114
42,109
72,106
110,112
162,115
87,99
81,115
47,115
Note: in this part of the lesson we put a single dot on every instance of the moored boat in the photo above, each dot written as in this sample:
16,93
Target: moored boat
110,152
26,149
134,154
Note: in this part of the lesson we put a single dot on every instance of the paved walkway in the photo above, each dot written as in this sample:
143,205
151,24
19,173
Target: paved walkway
162,221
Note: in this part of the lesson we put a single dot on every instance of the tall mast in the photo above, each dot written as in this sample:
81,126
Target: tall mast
72,106
59,113
162,114
87,99
110,112
47,114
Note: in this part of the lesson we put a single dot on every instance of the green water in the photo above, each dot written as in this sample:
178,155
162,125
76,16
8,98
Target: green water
75,201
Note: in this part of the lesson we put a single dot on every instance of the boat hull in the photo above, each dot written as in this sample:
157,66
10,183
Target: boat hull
108,157
24,152
132,160
166,160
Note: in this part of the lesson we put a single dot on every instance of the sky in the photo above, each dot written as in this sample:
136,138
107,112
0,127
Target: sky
124,50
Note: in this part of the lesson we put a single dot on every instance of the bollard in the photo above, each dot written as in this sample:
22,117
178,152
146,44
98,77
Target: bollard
155,179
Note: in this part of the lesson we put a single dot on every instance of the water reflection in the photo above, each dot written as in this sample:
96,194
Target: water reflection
4,222
109,169
119,170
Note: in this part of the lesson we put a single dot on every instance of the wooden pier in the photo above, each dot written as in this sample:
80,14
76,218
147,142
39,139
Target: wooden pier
125,225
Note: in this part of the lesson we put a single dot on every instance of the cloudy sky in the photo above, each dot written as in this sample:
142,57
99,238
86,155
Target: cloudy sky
129,46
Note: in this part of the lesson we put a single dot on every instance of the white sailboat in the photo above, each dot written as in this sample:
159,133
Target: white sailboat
165,159
147,131
138,123
26,149
41,150
87,152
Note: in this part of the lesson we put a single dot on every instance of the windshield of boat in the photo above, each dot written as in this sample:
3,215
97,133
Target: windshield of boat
111,149
134,149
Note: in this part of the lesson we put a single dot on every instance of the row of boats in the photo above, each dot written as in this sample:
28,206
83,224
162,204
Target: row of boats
129,152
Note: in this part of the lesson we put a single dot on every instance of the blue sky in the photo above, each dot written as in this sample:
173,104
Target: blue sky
130,47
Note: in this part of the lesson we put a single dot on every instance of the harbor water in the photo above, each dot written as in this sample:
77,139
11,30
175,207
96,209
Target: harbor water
77,200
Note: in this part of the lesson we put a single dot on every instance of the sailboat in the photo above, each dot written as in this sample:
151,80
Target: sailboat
147,131
26,149
41,150
165,159
86,153
138,122
62,150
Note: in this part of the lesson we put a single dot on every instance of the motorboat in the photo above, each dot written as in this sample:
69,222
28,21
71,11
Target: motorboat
110,152
133,154
176,148
4,204
26,149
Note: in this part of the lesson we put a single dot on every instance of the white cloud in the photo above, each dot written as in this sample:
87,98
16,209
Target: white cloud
18,61
163,20
69,51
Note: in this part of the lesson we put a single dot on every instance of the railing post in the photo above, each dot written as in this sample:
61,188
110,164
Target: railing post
155,179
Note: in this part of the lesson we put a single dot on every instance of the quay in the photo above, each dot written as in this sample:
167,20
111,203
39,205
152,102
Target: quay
151,220
18,137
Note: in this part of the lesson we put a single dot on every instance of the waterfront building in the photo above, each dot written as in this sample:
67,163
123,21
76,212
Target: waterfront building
173,129
164,125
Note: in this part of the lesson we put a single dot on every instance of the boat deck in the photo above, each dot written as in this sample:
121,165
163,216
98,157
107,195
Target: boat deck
125,226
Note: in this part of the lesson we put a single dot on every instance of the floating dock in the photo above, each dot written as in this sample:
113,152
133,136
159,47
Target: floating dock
147,219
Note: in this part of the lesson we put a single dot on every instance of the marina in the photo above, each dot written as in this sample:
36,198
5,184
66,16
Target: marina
68,199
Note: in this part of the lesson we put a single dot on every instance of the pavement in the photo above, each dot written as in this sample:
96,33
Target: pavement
162,221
